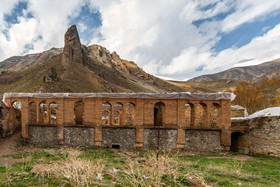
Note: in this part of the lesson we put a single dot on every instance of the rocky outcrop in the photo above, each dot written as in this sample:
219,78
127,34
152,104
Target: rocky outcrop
51,76
72,47
4,120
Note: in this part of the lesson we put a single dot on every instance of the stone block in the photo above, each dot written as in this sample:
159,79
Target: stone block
160,138
203,141
119,137
42,135
78,136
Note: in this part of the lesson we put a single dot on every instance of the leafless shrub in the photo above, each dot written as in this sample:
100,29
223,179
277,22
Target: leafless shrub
74,171
151,172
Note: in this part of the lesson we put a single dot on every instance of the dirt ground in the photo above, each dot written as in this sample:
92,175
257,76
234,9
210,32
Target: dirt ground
9,146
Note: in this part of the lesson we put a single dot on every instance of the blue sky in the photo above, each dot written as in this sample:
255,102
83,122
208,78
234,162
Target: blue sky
171,39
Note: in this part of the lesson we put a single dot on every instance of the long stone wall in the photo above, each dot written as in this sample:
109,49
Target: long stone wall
120,120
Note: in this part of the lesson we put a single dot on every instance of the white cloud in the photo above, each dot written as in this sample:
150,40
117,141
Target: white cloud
6,8
46,29
162,39
248,11
260,49
151,31
188,61
19,35
82,27
54,17
158,36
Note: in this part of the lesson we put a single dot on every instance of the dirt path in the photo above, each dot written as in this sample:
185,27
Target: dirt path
8,146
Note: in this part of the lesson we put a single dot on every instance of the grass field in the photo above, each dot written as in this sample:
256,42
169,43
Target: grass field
52,166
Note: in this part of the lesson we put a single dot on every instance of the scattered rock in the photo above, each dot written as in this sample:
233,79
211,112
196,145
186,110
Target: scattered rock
51,76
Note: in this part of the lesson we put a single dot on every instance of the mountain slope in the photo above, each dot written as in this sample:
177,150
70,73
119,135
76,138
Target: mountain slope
272,75
77,69
17,63
241,73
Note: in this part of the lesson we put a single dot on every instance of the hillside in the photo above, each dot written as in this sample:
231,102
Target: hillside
77,69
272,75
241,73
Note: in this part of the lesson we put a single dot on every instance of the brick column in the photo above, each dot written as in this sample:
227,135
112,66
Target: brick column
206,117
122,112
89,107
225,123
24,117
97,116
38,112
193,114
48,112
68,110
11,112
138,121
181,124
60,120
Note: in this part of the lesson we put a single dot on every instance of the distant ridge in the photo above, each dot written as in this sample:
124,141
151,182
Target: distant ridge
241,73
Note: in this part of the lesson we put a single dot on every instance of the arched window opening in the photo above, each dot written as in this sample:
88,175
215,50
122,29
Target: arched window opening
117,114
43,113
214,114
130,114
32,113
53,105
188,114
79,112
118,106
159,114
105,117
106,106
106,114
53,108
203,119
53,117
116,118
200,114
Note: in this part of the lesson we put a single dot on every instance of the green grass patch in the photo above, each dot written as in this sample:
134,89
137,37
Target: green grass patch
49,166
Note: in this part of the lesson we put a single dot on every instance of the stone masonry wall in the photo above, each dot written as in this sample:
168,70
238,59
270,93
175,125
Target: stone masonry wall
203,141
4,121
124,137
167,138
42,135
78,136
238,113
264,136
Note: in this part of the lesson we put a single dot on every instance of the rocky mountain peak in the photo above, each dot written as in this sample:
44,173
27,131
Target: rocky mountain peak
72,47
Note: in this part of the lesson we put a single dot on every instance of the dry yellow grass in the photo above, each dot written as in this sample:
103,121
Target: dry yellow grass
73,170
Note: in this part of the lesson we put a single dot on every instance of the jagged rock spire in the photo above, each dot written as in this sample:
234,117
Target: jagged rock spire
72,47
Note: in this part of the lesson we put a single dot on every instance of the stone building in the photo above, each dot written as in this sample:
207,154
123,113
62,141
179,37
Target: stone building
256,135
194,122
197,122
